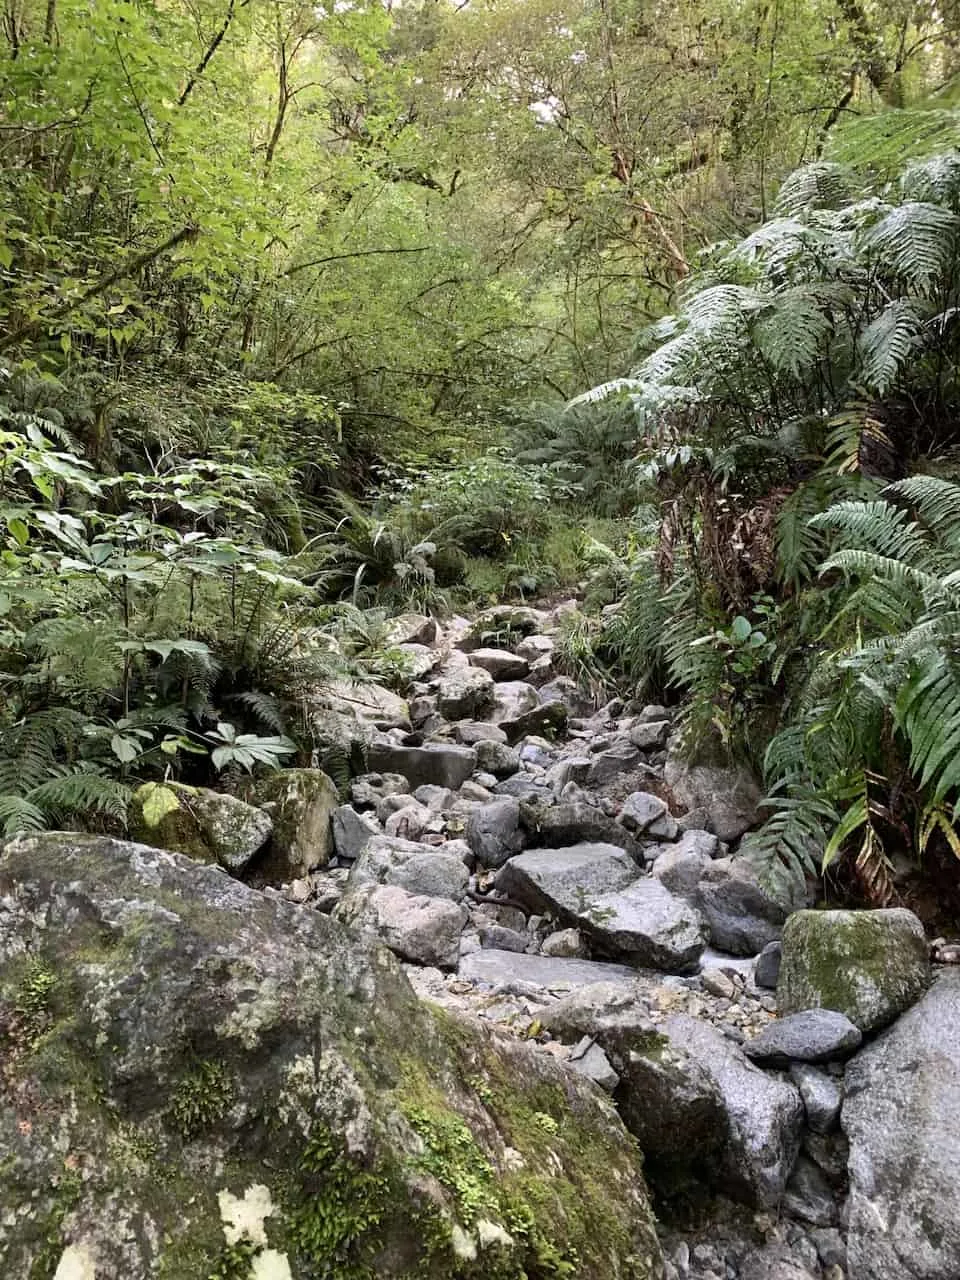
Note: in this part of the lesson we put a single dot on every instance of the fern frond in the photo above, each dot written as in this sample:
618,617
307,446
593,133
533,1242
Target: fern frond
888,342
915,241
792,332
822,185
18,815
80,793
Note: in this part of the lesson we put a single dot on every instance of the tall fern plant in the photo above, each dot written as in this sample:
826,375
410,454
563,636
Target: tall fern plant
871,761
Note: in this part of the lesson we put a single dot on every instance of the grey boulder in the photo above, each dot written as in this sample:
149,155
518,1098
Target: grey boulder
822,1095
418,928
418,868
596,888
813,1035
464,692
901,1113
764,1113
560,825
493,831
441,764
351,832
725,800
742,915
200,1056
500,663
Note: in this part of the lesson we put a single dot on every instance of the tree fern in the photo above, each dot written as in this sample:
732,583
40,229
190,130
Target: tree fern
822,185
916,242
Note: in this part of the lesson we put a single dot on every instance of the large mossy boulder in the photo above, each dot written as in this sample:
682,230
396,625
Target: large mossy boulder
201,1079
869,965
209,826
301,803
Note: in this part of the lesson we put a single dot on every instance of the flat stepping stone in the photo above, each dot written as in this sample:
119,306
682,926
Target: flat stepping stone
494,967
816,1035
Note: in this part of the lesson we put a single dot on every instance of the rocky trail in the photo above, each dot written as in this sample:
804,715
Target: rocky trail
554,872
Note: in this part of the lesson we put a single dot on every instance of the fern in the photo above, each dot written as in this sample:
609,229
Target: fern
887,343
823,185
916,242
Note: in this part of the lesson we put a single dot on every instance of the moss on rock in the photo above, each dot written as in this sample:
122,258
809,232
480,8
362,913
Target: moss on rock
197,1049
869,965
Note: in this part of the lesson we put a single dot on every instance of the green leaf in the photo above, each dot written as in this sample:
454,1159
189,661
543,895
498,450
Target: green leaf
156,801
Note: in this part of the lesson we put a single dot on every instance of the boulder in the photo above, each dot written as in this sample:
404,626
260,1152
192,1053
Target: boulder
764,1113
370,704
524,786
497,758
493,831
901,1113
201,1079
869,965
368,790
549,719
726,800
412,821
500,663
464,693
559,825
682,866
207,825
743,917
502,624
596,888
641,810
470,732
439,764
418,661
814,1035
650,735
419,868
420,929
512,699
506,968
569,695
411,628
667,1099
767,972
622,757
533,648
301,803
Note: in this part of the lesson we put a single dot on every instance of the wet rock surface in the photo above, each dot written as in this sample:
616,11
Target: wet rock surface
554,871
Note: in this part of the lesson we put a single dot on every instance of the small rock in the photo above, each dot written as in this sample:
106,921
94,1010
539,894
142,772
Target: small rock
821,1096
808,1195
718,983
497,936
410,822
767,971
607,765
589,1060
563,943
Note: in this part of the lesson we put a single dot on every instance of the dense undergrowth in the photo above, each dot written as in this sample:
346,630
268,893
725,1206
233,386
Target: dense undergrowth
292,302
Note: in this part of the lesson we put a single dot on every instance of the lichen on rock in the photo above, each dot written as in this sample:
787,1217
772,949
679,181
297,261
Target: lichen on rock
205,1054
